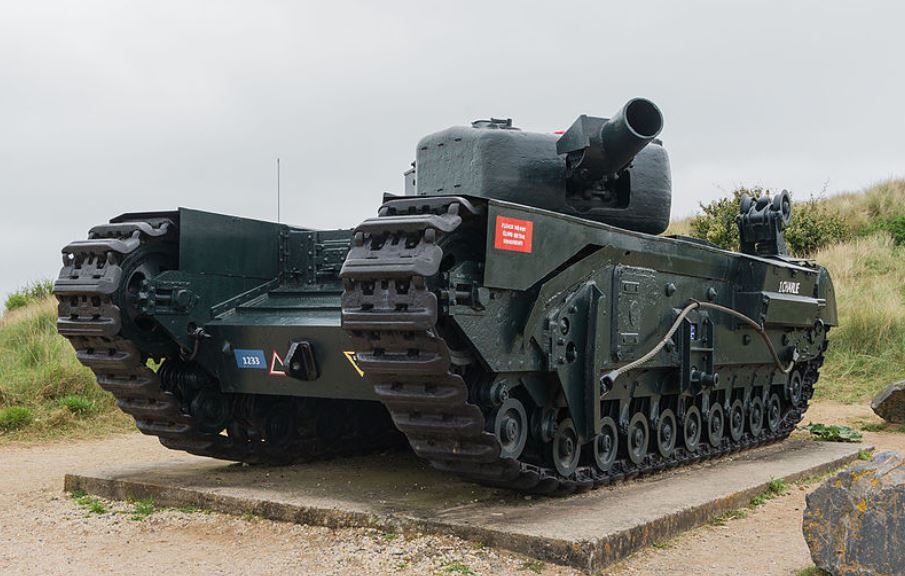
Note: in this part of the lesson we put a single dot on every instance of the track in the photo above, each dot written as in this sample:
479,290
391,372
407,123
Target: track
391,311
97,289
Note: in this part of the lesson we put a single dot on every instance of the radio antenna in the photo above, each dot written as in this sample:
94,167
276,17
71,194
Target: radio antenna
278,189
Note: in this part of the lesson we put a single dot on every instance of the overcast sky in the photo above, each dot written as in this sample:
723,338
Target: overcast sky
109,107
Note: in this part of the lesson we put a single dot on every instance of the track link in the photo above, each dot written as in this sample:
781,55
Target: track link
392,314
90,286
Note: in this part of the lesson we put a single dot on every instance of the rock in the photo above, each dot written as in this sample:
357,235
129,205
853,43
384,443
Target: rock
889,403
854,522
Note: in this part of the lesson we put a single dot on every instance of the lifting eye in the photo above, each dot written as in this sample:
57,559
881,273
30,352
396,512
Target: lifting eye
564,325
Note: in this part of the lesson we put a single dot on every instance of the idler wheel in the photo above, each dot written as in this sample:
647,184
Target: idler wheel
774,413
756,416
511,428
212,410
666,433
638,438
606,444
144,264
795,389
736,420
565,447
691,429
716,424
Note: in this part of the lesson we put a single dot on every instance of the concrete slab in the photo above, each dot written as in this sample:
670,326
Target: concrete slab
396,492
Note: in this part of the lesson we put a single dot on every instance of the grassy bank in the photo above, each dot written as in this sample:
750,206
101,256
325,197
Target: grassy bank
867,349
44,392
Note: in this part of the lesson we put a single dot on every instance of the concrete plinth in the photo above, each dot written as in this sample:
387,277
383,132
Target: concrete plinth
399,493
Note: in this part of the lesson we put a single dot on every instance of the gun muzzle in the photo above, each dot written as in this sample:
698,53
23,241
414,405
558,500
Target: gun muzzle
600,147
630,130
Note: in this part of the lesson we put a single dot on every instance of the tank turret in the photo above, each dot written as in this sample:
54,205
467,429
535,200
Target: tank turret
610,170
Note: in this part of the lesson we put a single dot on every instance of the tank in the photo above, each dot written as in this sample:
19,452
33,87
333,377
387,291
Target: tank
526,328
514,316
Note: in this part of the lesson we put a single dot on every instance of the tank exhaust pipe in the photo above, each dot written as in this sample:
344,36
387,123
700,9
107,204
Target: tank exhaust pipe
598,147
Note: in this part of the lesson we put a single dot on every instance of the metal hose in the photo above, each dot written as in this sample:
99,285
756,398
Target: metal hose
611,376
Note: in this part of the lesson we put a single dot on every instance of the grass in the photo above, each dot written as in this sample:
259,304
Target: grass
76,404
812,571
91,504
723,519
881,427
457,567
776,487
535,566
867,349
45,393
15,418
138,509
873,426
679,227
142,508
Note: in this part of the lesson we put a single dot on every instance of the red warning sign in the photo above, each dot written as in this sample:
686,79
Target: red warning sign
513,234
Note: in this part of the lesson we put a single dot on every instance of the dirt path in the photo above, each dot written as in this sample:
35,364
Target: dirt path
768,539
43,531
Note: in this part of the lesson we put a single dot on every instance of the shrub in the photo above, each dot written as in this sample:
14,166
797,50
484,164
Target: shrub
894,226
812,228
30,294
15,417
716,223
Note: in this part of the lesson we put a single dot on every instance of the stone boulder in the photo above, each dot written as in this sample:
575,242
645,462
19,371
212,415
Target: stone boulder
889,403
854,523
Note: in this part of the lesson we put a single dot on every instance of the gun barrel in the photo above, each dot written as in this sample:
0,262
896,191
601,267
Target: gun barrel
628,131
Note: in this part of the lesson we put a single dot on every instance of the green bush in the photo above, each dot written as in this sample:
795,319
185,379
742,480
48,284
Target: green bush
30,294
15,417
894,226
812,227
716,223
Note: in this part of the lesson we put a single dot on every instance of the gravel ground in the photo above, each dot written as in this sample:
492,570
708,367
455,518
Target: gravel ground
44,531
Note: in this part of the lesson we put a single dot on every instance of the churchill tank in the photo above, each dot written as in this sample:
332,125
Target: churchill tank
516,316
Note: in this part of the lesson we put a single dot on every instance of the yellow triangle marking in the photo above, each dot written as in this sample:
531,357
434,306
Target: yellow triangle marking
350,356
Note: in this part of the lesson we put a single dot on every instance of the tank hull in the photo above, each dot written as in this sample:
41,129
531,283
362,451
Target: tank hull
493,337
